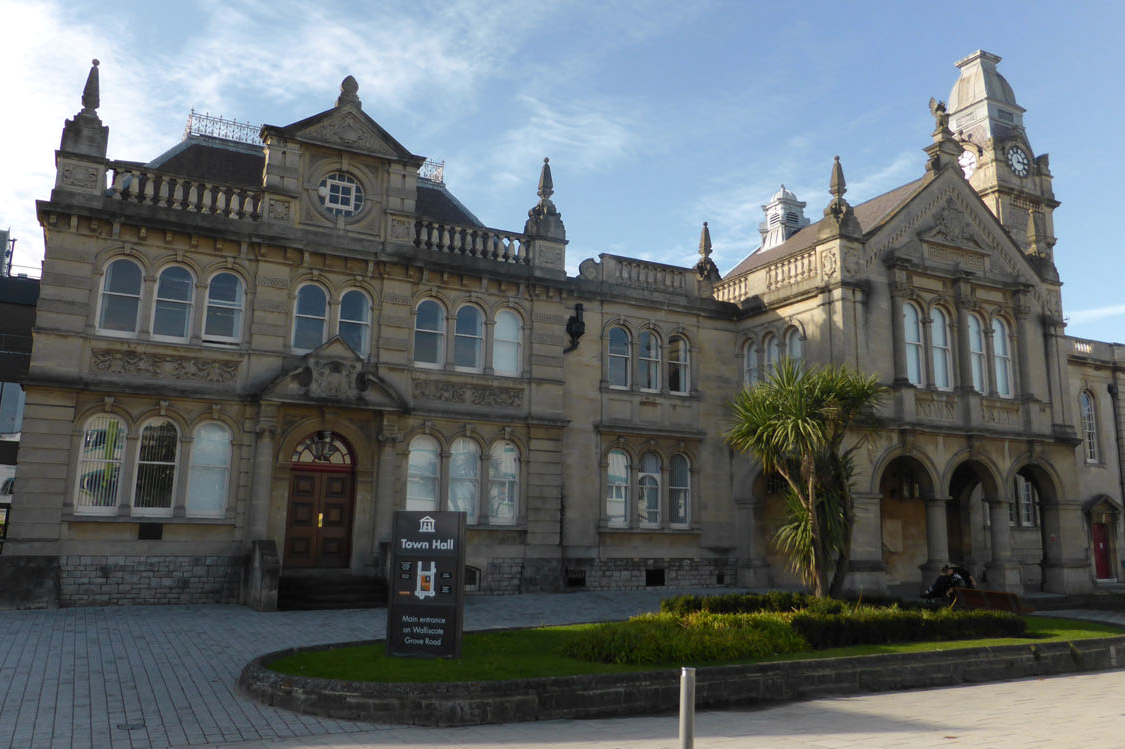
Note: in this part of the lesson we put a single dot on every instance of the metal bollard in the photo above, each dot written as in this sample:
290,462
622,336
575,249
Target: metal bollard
687,708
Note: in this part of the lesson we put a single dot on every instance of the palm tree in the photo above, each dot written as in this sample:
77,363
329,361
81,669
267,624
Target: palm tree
795,424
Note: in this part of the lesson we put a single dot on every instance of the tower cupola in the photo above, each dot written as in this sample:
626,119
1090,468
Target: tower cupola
785,216
982,105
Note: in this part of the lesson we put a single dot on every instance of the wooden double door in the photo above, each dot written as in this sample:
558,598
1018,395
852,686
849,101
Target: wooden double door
318,526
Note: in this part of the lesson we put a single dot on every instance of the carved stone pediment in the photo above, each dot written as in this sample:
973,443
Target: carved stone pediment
333,374
350,131
950,225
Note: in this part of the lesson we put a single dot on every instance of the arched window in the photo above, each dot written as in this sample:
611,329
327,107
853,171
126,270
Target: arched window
507,336
1089,425
679,490
422,474
649,481
223,322
209,474
171,314
468,338
678,365
912,332
770,347
503,483
310,317
429,333
156,468
939,336
976,352
1027,501
121,297
355,321
464,477
99,467
618,358
793,345
1001,357
617,487
750,364
648,373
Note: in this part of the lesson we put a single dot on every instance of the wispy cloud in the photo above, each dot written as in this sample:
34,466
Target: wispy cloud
1096,313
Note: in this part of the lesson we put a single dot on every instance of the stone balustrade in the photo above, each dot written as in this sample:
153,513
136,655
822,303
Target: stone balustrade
792,270
734,290
136,184
655,276
473,241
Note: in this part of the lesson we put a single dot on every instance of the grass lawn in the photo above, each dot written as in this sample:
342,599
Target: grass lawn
527,653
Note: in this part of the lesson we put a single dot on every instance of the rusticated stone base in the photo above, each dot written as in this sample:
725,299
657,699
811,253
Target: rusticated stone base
117,580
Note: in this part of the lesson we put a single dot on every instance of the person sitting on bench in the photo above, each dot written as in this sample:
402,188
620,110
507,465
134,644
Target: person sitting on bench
944,584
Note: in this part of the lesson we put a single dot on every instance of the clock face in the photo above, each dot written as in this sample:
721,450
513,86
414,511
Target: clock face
968,162
1019,161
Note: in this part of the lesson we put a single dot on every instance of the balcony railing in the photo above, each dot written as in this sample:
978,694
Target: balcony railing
472,241
136,184
216,127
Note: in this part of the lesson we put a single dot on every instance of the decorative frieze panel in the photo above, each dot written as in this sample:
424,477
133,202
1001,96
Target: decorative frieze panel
464,393
401,229
936,406
397,298
549,318
164,366
1001,413
967,259
273,282
74,175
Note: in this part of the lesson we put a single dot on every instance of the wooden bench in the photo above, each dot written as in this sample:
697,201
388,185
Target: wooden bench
998,600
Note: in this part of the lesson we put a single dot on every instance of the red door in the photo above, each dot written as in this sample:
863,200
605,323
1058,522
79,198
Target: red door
1101,551
319,521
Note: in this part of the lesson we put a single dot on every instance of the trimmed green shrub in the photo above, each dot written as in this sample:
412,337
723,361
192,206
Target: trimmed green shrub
867,625
696,637
749,603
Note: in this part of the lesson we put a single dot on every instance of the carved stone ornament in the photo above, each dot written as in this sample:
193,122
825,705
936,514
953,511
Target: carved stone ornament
477,395
400,229
850,260
349,131
144,364
279,210
80,176
588,268
951,223
936,406
828,263
334,380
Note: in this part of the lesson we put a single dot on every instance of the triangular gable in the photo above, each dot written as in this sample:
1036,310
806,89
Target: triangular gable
334,374
347,127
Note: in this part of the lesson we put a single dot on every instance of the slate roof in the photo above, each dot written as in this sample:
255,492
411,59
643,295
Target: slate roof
870,214
438,203
213,160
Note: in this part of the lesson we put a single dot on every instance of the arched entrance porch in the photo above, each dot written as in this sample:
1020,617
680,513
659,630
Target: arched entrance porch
318,523
905,487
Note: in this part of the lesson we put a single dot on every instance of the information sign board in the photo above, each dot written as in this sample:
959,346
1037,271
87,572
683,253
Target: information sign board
427,586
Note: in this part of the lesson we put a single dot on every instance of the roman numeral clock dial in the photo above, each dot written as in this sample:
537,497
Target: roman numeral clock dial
1019,161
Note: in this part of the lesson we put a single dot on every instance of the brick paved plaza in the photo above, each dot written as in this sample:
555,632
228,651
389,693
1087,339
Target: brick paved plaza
153,676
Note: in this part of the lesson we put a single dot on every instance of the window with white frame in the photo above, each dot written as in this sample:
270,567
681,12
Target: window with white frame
340,194
156,468
793,347
223,321
912,333
209,471
750,364
1027,499
171,312
679,490
121,298
12,401
99,465
618,360
648,369
1002,357
976,352
422,473
310,318
355,321
772,351
507,335
939,337
649,483
616,487
1089,425
429,333
468,338
679,369
503,483
464,477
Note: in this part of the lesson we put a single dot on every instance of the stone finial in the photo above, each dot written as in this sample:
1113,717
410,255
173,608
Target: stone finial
543,220
706,268
945,149
840,219
546,185
348,88
91,96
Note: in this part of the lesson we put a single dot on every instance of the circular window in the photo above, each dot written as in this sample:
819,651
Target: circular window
340,194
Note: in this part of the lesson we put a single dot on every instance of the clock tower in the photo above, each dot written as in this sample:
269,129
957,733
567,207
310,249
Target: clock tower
998,159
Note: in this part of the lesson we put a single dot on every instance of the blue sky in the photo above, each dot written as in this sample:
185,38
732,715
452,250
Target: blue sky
657,116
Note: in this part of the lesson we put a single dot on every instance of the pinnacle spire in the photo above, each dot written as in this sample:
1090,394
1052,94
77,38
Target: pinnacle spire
836,185
546,185
543,219
839,219
91,96
705,242
706,268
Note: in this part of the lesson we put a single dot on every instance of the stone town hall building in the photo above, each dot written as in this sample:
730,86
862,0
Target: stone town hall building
250,351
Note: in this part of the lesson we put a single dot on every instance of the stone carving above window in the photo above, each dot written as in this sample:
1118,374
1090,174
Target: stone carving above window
348,131
934,406
144,364
476,395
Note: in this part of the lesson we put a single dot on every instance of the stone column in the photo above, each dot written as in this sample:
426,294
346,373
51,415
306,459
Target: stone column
753,570
866,571
898,326
1021,339
928,349
1003,574
261,485
964,352
937,537
990,361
